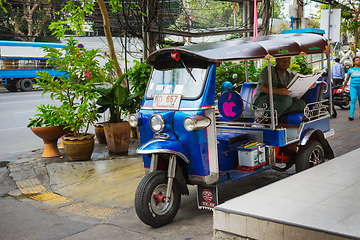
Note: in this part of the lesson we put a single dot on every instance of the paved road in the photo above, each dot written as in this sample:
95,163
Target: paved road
16,108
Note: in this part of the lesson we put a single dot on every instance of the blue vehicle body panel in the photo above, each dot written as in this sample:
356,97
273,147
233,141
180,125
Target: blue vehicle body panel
322,124
26,73
31,44
194,142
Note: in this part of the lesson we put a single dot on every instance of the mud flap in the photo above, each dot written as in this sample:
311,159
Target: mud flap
207,197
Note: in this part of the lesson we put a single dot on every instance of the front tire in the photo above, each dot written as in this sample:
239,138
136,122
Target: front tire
149,200
310,155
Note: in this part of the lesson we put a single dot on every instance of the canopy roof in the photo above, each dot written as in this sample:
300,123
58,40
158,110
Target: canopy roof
269,46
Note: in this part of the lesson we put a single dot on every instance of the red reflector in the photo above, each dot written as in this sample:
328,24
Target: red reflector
175,56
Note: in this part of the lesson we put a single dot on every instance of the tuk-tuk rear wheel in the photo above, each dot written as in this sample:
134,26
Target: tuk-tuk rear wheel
150,204
309,155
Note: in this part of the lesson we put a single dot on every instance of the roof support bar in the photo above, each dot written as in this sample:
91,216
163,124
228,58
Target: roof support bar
271,97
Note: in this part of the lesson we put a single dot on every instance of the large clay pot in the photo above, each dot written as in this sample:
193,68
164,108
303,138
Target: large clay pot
49,135
117,136
99,133
79,148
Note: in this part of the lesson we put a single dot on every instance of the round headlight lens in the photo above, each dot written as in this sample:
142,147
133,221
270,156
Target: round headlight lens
189,124
133,120
157,123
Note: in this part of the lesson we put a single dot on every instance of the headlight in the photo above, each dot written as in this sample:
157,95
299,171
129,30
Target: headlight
157,122
196,123
189,124
135,120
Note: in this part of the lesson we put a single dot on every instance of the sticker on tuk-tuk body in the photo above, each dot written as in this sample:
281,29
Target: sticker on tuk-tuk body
159,88
230,105
207,197
168,88
166,101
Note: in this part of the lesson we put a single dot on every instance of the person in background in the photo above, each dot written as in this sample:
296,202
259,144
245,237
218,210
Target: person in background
281,77
354,74
337,73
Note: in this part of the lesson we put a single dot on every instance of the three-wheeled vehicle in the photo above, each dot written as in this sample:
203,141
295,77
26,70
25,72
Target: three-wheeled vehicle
189,139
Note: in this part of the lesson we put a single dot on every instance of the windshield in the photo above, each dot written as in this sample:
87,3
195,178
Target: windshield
177,81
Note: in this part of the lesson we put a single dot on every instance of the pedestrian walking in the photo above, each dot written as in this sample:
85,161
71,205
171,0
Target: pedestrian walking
337,73
354,74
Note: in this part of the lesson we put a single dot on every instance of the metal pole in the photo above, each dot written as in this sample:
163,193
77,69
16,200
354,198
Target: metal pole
329,26
246,71
271,96
329,62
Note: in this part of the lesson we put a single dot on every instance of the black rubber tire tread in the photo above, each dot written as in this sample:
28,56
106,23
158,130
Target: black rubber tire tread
347,107
26,85
143,196
334,115
11,88
302,157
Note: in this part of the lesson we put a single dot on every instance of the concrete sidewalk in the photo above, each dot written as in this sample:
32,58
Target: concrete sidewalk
320,203
95,198
107,181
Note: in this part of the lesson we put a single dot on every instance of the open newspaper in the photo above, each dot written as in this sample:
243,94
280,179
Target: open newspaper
301,83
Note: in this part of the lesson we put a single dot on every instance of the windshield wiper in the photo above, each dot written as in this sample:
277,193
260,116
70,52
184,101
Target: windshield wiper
188,70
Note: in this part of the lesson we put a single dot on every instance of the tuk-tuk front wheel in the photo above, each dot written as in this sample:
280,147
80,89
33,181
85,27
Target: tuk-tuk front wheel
150,204
309,155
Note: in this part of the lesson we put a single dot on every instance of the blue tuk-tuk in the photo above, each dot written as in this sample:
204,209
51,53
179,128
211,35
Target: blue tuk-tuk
188,137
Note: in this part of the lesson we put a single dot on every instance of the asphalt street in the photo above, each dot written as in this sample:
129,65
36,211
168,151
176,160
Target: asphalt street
16,108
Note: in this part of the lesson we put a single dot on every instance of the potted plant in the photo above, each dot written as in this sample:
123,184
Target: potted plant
76,91
48,124
120,102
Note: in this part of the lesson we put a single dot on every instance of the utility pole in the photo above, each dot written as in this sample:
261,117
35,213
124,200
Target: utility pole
300,13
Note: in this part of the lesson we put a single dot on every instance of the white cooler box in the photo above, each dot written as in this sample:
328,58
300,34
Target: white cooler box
251,156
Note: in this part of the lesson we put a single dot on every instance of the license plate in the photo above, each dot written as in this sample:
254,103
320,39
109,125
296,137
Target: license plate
166,101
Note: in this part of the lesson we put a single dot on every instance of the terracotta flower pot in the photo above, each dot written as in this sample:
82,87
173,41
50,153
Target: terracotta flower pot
79,148
117,136
99,133
49,135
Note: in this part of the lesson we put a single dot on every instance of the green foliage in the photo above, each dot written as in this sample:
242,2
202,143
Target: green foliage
1,5
75,12
235,74
299,65
117,99
115,6
49,115
75,89
139,76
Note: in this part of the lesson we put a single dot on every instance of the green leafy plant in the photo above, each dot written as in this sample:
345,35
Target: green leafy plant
297,65
235,74
48,115
118,99
76,88
138,75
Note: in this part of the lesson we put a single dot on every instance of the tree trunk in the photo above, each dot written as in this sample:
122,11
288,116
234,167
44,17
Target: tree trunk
356,31
107,31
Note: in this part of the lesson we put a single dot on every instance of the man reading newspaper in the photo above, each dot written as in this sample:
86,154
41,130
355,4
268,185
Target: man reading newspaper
281,77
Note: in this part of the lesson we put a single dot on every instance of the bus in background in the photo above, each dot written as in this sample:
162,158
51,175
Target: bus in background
20,62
